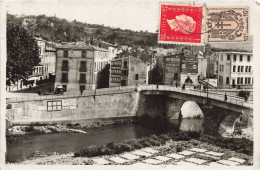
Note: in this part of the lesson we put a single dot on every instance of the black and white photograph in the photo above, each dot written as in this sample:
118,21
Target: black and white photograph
145,83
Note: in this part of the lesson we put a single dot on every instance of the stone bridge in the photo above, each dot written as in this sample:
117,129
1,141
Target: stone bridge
168,102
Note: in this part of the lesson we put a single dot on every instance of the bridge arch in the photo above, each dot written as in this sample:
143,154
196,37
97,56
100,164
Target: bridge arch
191,109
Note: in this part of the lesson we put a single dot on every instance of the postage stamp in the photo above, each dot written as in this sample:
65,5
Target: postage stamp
227,24
180,24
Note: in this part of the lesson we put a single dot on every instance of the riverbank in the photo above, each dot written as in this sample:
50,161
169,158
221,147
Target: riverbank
17,133
162,151
171,142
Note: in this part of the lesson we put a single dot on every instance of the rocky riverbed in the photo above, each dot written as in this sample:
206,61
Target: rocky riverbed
191,152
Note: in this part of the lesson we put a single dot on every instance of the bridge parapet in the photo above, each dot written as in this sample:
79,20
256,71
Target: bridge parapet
220,97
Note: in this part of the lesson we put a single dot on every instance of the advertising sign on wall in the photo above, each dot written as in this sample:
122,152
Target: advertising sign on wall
189,62
116,71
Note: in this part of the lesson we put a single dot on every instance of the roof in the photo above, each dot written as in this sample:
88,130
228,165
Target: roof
107,43
75,45
128,57
234,52
39,39
99,49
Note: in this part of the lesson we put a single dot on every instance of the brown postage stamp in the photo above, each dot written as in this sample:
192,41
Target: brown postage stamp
227,24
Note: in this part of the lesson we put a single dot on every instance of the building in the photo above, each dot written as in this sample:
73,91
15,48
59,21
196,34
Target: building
235,70
212,65
112,48
127,71
40,71
75,66
172,69
202,66
50,58
189,68
101,67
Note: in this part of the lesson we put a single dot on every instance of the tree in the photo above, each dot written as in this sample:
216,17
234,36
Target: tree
22,53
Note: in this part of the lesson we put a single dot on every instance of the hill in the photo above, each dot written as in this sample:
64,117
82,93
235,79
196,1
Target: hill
61,30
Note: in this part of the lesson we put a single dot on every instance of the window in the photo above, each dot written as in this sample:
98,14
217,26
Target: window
227,80
249,80
64,87
82,67
65,65
54,105
241,80
238,80
246,69
65,54
175,76
82,78
234,68
83,54
235,58
238,69
136,76
241,57
221,57
222,67
249,69
125,64
248,58
82,88
125,72
228,57
219,67
242,69
64,77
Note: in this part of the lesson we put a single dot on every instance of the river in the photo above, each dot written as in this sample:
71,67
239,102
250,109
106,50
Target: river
48,144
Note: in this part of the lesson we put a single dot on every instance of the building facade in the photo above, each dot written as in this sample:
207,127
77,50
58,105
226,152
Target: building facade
189,68
235,70
50,58
101,67
172,69
127,71
40,71
75,67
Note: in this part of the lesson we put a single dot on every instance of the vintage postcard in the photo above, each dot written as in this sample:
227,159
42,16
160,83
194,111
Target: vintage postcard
138,83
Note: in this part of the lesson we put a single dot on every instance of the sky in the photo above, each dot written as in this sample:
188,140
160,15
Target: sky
126,14
123,14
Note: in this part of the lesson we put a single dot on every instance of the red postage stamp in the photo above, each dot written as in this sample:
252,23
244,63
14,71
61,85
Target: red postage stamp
181,24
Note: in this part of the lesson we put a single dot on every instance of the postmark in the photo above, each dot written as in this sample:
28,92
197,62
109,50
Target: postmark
181,24
228,24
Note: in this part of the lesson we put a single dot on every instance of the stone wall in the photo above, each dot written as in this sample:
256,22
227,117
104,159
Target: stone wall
78,108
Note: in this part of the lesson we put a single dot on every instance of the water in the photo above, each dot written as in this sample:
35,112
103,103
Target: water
47,144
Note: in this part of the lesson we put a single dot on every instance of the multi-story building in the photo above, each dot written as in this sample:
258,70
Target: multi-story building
50,58
127,71
235,70
112,48
40,70
212,65
172,69
75,66
101,65
79,66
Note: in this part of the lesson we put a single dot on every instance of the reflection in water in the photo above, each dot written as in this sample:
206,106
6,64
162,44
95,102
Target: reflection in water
70,142
195,125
